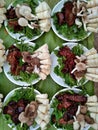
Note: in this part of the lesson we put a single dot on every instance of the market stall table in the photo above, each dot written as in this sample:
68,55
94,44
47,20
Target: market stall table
47,86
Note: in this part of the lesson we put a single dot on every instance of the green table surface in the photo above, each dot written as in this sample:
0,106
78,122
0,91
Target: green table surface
47,86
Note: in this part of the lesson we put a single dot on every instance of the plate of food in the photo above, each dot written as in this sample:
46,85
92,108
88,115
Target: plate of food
22,107
64,60
27,20
72,110
25,65
69,20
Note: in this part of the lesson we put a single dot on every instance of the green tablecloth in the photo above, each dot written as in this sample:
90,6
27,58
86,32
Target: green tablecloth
47,86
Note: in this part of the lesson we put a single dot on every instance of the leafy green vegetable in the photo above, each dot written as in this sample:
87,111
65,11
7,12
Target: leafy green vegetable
26,77
27,94
72,32
78,50
26,47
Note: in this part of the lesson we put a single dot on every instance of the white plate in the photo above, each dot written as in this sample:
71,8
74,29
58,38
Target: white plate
19,36
11,78
57,8
54,58
10,94
87,126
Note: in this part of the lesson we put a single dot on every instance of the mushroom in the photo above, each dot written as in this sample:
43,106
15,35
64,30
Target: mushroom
78,22
24,10
22,118
80,117
79,67
89,119
83,109
22,22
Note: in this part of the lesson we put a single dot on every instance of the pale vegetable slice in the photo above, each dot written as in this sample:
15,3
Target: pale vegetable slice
43,48
43,56
90,52
93,109
92,29
42,96
92,3
93,25
2,10
92,104
43,15
42,75
90,78
45,71
76,125
45,66
92,70
92,63
46,62
92,56
42,108
95,126
43,6
95,20
92,99
38,120
2,3
44,101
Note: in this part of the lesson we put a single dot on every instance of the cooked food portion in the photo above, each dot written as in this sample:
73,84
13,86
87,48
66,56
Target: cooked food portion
36,63
29,17
43,111
74,111
82,118
12,107
65,106
68,67
2,12
88,62
28,109
2,55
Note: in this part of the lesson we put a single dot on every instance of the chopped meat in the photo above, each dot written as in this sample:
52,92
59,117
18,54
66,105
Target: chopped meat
68,61
14,24
60,17
15,108
62,121
69,16
10,14
67,116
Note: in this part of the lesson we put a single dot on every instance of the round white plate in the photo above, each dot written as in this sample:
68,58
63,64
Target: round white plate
57,8
11,78
54,59
10,94
87,126
19,36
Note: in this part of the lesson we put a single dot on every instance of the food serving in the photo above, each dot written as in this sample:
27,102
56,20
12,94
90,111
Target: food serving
74,20
2,55
2,12
64,60
71,109
23,107
27,65
28,19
